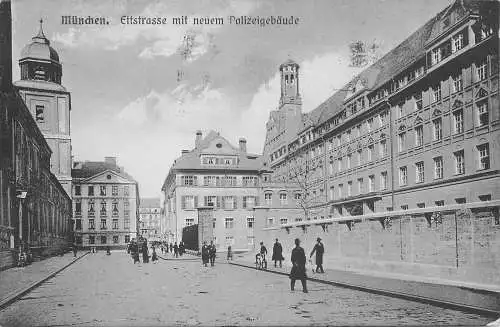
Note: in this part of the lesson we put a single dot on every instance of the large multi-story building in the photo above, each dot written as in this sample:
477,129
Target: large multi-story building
35,210
418,128
48,101
149,219
217,174
105,204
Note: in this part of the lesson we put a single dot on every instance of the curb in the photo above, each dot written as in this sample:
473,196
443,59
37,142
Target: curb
10,299
405,296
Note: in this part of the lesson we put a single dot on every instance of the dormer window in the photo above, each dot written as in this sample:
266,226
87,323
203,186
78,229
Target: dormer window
457,42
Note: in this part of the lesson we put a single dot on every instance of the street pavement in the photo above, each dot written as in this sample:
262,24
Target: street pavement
111,291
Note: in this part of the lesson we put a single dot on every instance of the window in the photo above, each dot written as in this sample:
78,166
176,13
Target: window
439,203
210,201
360,186
457,85
419,135
418,101
482,113
401,141
91,191
460,200
436,93
383,148
438,167
437,129
403,176
371,183
78,224
229,202
348,136
78,208
78,190
484,156
331,193
349,188
401,112
459,162
297,196
229,222
358,130
249,181
189,221
268,198
349,156
370,152
404,207
91,224
358,157
229,240
482,70
339,164
249,202
270,221
330,168
126,224
103,240
341,186
126,190
458,121
485,197
283,198
435,56
91,239
339,140
250,222
369,124
383,180
114,190
103,224
419,172
103,190
115,224
457,42
39,114
421,205
382,118
115,239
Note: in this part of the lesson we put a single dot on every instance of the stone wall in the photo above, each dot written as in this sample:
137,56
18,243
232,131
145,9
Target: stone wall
462,247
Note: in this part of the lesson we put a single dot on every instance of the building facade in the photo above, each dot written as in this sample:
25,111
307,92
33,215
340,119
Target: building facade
418,128
216,174
149,219
48,101
35,210
105,204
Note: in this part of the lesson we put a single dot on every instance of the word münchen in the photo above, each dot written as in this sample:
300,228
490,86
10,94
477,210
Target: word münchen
263,21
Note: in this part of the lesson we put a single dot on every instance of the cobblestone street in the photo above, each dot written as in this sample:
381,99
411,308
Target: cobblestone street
110,291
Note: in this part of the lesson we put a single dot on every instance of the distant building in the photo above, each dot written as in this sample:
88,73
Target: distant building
48,101
418,128
105,204
214,173
149,219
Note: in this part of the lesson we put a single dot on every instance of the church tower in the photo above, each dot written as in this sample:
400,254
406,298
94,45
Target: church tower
48,101
289,72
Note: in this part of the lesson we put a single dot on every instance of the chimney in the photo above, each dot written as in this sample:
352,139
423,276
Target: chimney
184,151
6,47
197,141
243,145
110,161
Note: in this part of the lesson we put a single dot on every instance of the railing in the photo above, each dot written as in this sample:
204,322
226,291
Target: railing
389,214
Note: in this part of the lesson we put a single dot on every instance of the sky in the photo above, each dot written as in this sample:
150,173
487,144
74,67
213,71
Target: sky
135,96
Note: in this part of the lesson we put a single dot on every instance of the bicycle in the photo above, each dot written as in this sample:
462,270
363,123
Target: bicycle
260,261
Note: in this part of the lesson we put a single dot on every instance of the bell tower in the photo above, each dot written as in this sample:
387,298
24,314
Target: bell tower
289,72
48,101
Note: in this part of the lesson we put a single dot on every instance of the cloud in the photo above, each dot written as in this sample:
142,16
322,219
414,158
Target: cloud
160,40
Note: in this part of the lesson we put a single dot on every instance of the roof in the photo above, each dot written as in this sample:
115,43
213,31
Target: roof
150,203
391,64
207,146
40,48
40,84
82,170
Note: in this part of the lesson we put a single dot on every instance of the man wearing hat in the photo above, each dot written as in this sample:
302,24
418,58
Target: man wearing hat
319,249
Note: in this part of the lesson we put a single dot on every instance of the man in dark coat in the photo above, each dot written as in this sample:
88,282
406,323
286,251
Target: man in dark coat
299,266
212,252
205,253
319,249
176,250
171,247
277,253
181,248
145,252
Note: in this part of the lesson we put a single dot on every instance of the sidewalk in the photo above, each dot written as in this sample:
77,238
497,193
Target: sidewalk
15,282
430,291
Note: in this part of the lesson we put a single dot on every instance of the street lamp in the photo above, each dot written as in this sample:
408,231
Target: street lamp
21,194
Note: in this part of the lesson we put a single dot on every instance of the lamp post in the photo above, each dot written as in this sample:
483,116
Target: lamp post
21,194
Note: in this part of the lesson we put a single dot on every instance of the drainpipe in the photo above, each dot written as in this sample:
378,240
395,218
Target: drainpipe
392,153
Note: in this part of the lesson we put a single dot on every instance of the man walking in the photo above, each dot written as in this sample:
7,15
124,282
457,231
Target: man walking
299,266
176,250
277,253
75,250
205,253
319,249
263,254
213,250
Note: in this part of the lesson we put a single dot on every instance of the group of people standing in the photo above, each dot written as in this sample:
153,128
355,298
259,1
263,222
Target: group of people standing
176,250
298,259
208,253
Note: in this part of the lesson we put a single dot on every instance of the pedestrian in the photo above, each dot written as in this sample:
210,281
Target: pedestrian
277,253
171,247
299,266
145,253
205,253
108,250
176,250
263,253
161,247
319,249
75,250
154,257
181,248
229,253
212,251
134,249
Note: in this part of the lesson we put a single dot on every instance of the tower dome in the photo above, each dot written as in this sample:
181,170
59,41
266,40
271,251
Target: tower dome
39,61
